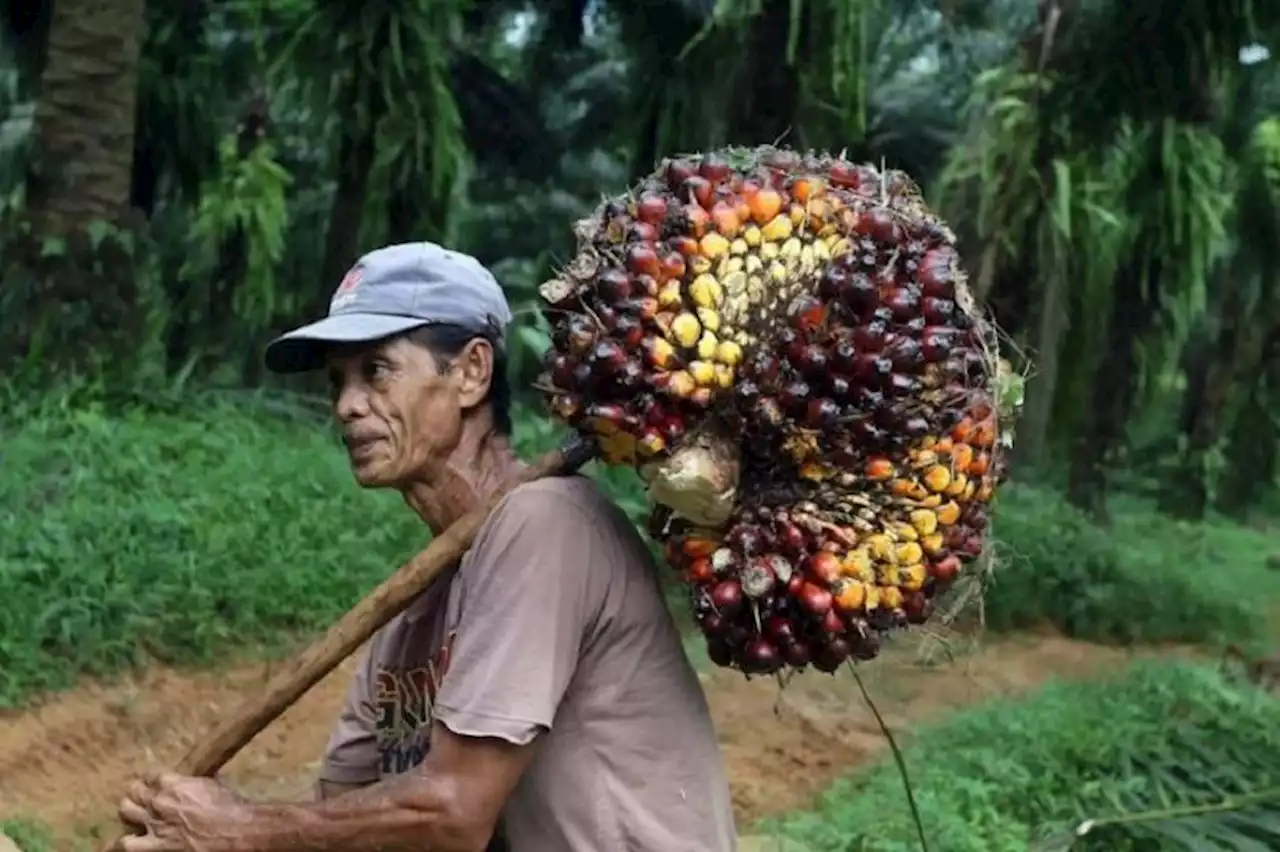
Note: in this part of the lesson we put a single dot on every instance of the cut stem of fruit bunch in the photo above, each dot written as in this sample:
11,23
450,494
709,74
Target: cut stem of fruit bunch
784,345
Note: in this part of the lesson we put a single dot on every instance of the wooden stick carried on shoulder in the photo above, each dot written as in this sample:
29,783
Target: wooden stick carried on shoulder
377,608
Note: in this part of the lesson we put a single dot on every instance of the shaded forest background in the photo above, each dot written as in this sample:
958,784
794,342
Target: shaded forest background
181,180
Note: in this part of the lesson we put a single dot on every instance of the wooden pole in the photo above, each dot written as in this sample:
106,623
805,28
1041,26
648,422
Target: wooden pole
377,608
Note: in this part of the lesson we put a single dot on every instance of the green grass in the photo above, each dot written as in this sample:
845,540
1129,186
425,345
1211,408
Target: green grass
153,534
995,777
1145,579
230,524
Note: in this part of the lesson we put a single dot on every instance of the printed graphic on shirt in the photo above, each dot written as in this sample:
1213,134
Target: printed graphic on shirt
405,699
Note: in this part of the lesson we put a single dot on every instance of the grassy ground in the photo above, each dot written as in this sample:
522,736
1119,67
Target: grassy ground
227,526
1163,737
187,534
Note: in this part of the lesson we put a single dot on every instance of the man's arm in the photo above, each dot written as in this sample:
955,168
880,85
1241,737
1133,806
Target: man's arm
450,803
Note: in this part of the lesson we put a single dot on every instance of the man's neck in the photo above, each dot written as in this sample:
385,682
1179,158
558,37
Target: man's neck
457,487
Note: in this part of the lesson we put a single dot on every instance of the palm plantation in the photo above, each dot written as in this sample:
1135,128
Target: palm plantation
196,175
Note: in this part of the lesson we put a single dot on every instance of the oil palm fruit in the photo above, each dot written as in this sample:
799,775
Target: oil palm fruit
784,345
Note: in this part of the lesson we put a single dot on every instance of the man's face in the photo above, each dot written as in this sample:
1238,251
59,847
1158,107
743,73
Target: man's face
401,413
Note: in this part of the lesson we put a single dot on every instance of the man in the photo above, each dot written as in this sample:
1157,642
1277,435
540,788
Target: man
542,681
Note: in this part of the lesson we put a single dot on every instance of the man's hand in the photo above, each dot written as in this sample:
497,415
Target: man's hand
177,813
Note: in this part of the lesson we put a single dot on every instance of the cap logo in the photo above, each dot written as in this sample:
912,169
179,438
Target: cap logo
346,289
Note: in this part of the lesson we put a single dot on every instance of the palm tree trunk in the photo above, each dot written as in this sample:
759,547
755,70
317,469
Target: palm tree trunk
78,180
357,150
84,120
1205,407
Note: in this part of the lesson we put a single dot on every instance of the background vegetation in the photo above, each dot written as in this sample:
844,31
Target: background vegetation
180,181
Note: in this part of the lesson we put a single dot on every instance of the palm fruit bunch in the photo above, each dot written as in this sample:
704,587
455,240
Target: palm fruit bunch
785,348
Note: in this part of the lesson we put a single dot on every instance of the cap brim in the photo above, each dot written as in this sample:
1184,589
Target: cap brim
304,349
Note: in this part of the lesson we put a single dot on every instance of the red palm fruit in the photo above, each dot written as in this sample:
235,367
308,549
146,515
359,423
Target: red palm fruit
643,260
651,208
937,272
791,538
567,407
814,598
794,398
861,294
843,175
698,189
699,220
672,429
810,359
840,389
831,654
871,369
608,356
905,353
630,377
764,367
673,266
629,331
823,567
796,654
945,569
880,224
679,171
833,283
821,413
561,368
831,623
904,302
714,168
808,314
699,571
936,344
866,646
746,540
844,356
760,656
871,336
683,244
642,232
938,311
719,651
780,629
614,285
917,607
727,597
643,307
580,334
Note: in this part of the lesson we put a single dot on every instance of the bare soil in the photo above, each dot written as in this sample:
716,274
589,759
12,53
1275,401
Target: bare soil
67,762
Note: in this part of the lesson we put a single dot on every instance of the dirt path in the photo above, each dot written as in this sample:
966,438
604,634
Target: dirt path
66,763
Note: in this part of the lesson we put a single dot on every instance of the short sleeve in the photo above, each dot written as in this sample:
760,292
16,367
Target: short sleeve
351,756
523,616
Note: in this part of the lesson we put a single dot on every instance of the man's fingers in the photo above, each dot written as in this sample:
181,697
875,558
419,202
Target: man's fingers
133,813
141,792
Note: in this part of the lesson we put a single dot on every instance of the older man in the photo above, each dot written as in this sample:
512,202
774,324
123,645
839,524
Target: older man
541,683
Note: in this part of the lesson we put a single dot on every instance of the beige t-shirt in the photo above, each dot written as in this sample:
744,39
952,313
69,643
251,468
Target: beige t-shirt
553,623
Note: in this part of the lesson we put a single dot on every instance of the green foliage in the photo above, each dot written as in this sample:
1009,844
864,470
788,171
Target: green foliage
30,836
1161,737
185,534
1145,579
191,529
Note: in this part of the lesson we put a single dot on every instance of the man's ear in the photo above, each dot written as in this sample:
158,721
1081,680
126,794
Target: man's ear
475,372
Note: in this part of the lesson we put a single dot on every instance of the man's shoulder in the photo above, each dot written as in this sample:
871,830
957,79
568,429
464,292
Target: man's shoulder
553,499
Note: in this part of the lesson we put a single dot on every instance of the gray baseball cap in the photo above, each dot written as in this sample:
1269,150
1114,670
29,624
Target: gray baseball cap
392,290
